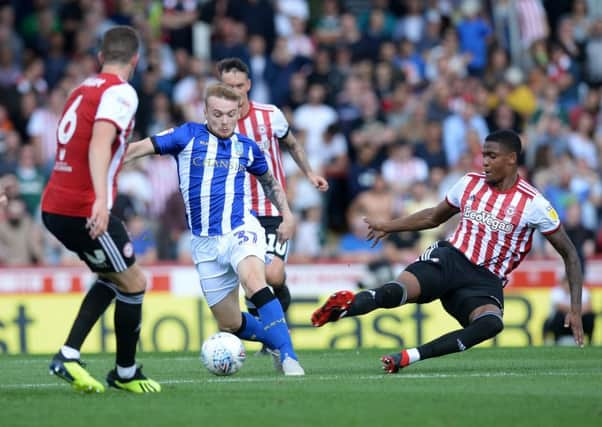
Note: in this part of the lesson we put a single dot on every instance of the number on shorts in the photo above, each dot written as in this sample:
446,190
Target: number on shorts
244,236
275,246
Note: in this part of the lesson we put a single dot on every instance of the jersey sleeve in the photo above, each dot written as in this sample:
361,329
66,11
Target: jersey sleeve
543,216
172,140
280,126
258,165
454,194
118,105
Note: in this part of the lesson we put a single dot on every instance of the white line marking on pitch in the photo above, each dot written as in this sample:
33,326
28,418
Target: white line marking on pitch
43,362
319,378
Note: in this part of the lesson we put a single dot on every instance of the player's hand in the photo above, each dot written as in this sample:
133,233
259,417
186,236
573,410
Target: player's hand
99,221
318,181
573,320
286,229
376,231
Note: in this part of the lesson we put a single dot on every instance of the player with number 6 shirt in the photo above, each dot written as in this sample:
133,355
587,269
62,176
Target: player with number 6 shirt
76,208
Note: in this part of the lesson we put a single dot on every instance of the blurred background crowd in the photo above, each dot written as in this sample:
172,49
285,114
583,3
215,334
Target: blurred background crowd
392,100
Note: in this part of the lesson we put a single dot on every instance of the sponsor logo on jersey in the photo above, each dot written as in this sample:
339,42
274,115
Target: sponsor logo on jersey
234,165
488,220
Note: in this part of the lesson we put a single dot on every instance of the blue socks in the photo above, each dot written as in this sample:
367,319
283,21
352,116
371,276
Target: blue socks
251,329
275,329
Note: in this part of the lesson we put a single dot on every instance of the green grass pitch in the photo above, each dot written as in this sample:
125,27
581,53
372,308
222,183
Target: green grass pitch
510,387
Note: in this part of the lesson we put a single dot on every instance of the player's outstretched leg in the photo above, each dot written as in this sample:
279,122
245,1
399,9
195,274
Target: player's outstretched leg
335,307
73,371
480,329
346,304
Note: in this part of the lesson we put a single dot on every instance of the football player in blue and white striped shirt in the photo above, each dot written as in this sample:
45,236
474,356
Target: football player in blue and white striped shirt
228,243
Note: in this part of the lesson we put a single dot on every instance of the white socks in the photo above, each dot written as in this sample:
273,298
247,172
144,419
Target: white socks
126,373
70,352
413,355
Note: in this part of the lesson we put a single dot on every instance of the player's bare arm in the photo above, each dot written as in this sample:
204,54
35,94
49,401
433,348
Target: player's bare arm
421,220
563,245
137,149
300,158
99,157
275,193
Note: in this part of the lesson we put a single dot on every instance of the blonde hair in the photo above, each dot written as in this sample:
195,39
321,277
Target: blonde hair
220,90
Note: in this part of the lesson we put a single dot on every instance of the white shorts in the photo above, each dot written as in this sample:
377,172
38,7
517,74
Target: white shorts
216,258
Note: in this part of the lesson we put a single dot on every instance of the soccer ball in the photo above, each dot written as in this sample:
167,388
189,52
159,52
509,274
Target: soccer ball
223,353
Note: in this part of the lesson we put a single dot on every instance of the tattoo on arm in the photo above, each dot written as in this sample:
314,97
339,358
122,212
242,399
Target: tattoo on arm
297,152
563,245
274,191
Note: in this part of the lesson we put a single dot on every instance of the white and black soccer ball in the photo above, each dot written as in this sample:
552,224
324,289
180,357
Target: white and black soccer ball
223,354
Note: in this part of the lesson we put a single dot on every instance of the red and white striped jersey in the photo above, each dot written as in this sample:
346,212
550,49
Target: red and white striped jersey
265,124
103,97
496,228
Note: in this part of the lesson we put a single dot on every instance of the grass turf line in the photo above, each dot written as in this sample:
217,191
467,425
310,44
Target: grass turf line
491,386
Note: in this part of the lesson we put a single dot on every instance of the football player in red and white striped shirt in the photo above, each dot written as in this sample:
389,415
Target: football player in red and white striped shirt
92,134
499,212
266,124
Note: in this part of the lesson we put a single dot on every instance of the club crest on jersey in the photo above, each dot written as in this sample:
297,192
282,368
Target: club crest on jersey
510,211
264,141
238,148
128,250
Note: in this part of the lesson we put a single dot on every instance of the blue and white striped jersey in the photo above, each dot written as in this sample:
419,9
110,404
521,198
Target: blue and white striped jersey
212,175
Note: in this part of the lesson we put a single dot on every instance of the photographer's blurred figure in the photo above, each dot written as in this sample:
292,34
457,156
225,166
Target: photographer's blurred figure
554,329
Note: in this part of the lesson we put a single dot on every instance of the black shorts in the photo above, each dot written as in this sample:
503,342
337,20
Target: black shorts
109,253
270,224
445,273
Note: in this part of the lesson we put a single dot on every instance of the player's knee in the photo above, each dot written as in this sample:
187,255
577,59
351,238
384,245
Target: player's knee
390,295
490,324
275,276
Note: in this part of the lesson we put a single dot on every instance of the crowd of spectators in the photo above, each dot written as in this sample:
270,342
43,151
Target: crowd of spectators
391,98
